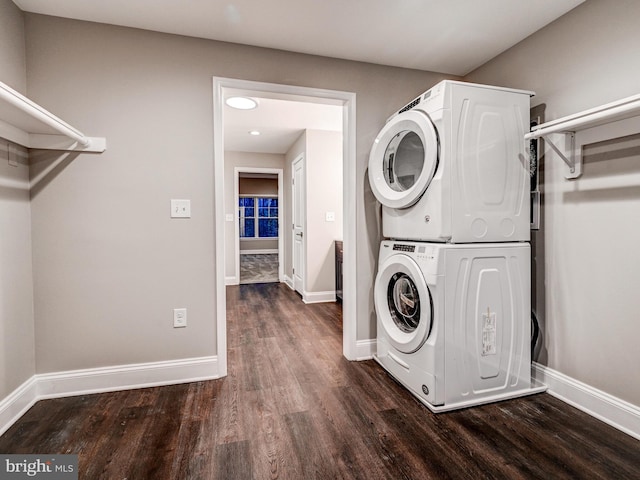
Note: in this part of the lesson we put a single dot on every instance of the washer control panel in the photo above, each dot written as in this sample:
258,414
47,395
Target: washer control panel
401,247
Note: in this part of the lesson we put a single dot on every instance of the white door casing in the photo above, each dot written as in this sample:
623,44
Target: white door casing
350,300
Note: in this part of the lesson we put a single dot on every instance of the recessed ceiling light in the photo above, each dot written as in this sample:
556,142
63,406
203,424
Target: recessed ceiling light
254,132
241,103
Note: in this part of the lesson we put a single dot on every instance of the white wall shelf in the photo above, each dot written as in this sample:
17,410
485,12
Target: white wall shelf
28,124
568,126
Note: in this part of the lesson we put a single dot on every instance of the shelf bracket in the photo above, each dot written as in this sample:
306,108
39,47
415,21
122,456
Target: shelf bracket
573,160
568,126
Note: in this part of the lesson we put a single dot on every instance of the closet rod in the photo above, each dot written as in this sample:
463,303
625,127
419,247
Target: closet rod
36,111
625,108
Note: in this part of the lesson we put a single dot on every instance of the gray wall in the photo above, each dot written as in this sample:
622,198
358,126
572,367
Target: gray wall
17,351
12,46
323,165
324,194
589,270
110,264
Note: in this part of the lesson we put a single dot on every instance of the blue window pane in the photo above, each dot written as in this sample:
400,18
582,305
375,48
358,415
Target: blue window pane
247,228
266,209
267,202
268,227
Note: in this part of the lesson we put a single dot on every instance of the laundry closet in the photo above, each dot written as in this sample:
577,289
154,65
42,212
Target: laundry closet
99,220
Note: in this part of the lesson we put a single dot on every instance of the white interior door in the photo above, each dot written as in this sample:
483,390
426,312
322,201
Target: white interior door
298,216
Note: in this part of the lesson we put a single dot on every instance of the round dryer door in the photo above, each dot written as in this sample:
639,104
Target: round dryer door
403,159
403,303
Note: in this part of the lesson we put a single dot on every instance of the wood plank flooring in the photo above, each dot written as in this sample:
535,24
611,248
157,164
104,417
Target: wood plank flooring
293,408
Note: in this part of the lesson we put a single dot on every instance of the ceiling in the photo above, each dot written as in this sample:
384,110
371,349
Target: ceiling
446,36
279,121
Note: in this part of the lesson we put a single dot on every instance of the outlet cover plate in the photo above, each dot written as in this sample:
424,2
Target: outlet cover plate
179,317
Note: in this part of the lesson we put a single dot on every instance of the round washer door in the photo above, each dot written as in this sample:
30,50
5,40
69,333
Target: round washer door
403,159
403,303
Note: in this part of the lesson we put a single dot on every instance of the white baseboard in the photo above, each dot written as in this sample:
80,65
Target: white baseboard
106,379
616,412
312,297
17,403
231,280
365,349
262,251
319,297
611,410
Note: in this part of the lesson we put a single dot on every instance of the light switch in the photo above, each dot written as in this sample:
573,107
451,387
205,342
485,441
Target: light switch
330,216
180,208
229,217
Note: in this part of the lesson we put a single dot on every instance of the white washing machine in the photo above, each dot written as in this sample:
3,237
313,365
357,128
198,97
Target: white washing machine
454,323
452,166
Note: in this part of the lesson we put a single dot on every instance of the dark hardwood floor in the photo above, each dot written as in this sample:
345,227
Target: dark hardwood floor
293,407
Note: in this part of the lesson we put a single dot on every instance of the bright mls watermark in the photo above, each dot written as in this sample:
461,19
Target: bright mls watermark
50,467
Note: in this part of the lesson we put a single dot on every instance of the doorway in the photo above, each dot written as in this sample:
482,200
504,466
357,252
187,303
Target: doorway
258,194
346,100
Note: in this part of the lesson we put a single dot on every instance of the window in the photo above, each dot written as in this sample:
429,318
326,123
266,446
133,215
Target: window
258,217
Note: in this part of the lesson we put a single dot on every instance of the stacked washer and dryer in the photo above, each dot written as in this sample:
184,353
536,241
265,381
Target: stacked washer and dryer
452,292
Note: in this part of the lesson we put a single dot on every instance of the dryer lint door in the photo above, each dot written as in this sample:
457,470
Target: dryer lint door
403,159
403,303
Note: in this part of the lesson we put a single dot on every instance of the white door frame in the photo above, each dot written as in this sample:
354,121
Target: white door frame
348,102
303,208
236,195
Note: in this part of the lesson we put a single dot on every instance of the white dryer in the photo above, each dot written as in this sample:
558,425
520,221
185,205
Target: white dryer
452,166
454,323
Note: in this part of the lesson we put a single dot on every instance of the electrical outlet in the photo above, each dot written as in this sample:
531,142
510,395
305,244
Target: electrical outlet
179,317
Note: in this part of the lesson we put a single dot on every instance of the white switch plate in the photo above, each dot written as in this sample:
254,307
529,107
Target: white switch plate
229,217
330,216
180,208
179,317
